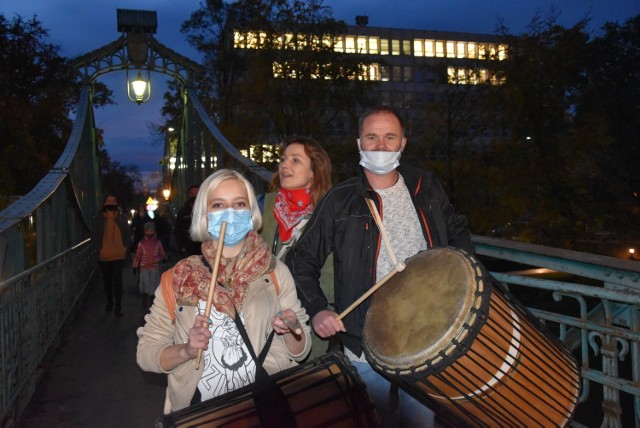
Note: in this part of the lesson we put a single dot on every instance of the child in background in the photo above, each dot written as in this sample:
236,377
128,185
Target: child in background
148,256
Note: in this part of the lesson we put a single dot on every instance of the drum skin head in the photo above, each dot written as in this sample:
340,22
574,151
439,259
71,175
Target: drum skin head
414,318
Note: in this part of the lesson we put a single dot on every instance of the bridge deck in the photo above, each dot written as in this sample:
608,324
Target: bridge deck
93,380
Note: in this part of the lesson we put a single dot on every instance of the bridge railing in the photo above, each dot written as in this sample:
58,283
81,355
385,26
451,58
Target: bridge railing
35,306
46,259
592,303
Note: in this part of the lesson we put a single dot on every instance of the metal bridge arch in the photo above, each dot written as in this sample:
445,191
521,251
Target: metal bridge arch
200,147
46,253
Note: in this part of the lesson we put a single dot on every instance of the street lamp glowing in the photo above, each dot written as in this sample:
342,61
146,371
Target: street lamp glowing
166,193
140,87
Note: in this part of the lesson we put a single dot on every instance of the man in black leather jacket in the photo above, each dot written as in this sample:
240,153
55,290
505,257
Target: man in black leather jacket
417,215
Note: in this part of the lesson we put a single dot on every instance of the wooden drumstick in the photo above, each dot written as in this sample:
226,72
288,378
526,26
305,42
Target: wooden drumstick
372,290
383,232
212,285
397,266
294,326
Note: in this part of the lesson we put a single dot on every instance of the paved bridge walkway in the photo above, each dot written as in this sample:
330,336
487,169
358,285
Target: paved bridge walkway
93,379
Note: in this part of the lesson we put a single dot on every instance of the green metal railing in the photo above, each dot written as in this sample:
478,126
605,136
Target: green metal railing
592,303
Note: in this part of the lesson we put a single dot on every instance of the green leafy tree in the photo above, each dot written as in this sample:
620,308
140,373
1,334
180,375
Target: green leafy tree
36,96
609,108
39,89
540,163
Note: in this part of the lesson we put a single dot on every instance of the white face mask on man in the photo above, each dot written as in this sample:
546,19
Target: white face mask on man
379,162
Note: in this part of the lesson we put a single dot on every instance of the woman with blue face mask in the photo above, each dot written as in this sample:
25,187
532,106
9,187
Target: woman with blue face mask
254,298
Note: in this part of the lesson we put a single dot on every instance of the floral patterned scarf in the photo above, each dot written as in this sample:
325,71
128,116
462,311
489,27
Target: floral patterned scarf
290,206
191,277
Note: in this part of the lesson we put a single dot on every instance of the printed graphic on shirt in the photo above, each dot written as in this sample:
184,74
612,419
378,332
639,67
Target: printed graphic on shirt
227,362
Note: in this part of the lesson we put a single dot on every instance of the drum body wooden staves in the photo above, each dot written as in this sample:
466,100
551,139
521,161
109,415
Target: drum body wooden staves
325,392
444,334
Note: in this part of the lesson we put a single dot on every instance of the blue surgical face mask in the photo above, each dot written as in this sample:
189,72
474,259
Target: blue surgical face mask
239,223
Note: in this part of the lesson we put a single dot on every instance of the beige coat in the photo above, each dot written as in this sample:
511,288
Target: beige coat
260,305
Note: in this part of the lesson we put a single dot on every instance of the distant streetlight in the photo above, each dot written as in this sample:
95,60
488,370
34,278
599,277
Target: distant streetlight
140,88
166,192
632,252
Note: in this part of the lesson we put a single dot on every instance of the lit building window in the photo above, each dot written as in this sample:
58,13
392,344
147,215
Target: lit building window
502,52
278,71
429,48
406,47
482,51
338,45
395,47
473,77
252,40
374,45
238,40
288,41
440,49
329,41
259,153
418,47
451,75
362,45
460,49
350,44
384,47
492,51
374,72
462,76
471,50
451,49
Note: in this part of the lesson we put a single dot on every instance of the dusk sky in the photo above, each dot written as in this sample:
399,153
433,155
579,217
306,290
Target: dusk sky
78,27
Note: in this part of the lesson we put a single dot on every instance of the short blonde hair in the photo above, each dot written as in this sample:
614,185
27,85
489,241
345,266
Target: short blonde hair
199,222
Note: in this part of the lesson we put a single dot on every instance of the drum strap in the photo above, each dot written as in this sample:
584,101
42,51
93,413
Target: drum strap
271,404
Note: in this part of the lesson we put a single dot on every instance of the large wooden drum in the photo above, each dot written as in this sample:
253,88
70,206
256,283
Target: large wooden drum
325,392
445,335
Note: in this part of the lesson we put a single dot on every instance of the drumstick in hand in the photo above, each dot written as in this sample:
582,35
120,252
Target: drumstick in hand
212,285
400,267
294,326
397,266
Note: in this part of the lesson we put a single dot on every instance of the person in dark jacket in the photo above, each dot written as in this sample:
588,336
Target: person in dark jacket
416,214
112,235
186,246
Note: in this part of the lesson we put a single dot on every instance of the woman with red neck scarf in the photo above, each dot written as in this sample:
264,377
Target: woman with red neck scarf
302,179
